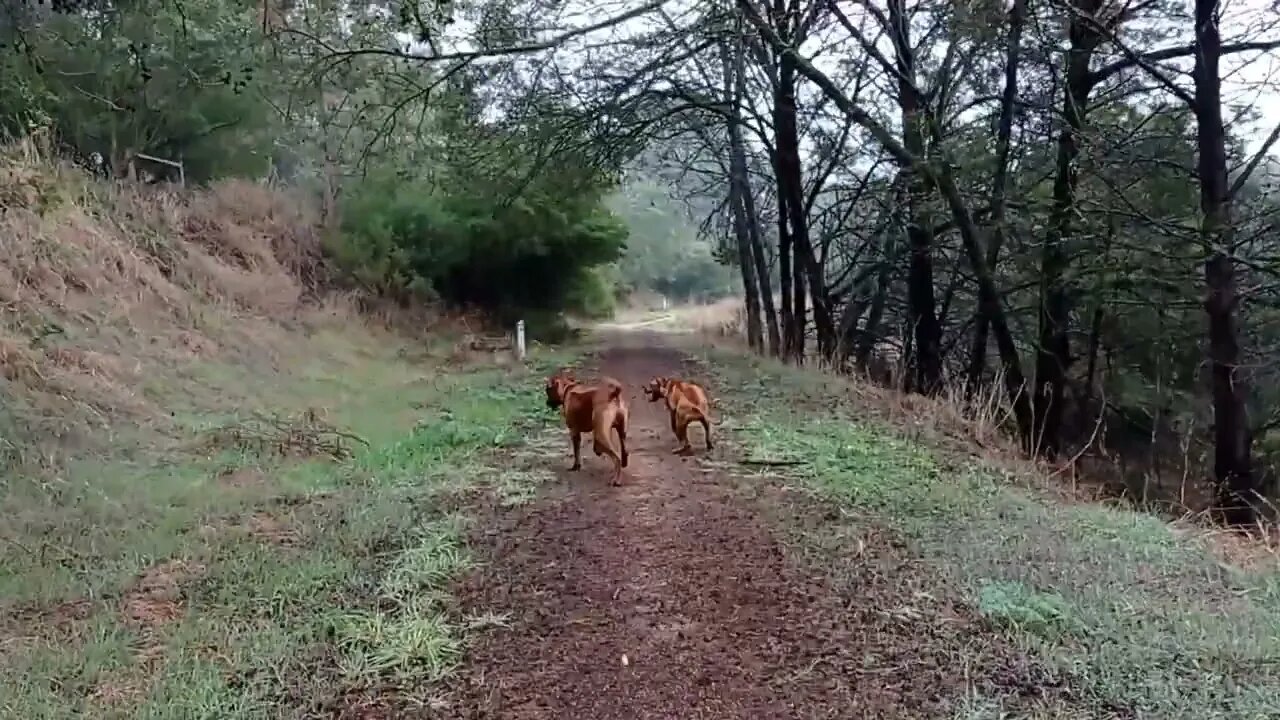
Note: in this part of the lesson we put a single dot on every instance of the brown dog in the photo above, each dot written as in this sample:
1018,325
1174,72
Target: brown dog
595,409
687,403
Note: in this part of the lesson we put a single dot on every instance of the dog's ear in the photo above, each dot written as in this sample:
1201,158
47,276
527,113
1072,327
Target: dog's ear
555,391
556,383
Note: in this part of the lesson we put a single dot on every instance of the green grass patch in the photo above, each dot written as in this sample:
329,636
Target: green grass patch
1144,621
302,579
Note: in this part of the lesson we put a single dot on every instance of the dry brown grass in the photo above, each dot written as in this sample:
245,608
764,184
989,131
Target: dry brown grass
106,287
723,318
981,430
156,597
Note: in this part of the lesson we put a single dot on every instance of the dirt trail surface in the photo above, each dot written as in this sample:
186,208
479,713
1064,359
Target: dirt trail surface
678,574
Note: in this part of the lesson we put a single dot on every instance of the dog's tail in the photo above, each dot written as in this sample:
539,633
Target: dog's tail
697,414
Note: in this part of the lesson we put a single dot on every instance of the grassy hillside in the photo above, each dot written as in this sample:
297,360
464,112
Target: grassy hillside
119,304
221,480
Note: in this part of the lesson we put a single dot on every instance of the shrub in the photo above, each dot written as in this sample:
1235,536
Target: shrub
593,293
468,245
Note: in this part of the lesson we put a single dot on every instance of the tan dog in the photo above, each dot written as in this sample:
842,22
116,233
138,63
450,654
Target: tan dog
595,409
687,403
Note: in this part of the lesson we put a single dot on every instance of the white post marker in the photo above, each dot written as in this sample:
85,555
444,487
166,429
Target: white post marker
520,340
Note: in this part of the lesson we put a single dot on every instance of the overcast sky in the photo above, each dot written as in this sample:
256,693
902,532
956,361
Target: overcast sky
1250,80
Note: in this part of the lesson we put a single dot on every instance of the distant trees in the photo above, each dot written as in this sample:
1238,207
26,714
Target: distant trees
665,252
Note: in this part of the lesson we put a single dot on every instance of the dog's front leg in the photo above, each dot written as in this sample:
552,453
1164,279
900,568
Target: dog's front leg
576,437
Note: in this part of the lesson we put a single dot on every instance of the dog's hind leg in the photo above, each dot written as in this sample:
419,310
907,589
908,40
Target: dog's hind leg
617,466
577,450
604,446
706,429
682,434
622,440
675,428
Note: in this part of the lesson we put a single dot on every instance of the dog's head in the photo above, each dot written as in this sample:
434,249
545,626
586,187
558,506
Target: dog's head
557,386
656,389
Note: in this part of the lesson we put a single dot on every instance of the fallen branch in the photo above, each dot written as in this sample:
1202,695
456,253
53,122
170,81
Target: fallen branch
303,436
773,463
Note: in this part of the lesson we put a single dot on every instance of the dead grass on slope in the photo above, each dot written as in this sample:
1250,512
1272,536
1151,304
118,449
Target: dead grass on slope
115,297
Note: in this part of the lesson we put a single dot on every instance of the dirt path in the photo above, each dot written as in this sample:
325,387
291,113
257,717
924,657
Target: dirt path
676,573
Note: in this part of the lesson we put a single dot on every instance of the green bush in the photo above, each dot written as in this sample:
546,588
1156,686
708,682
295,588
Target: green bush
548,328
593,293
387,236
466,244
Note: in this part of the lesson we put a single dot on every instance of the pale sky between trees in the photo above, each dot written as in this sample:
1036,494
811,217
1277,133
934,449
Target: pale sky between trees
1251,81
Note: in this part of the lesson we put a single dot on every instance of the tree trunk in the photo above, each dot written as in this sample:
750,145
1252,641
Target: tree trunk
738,148
999,181
749,203
926,351
799,306
871,328
762,271
790,187
884,277
785,278
848,329
823,316
861,292
790,178
739,189
751,292
1053,346
1238,489
1095,332
777,16
1091,367
948,296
